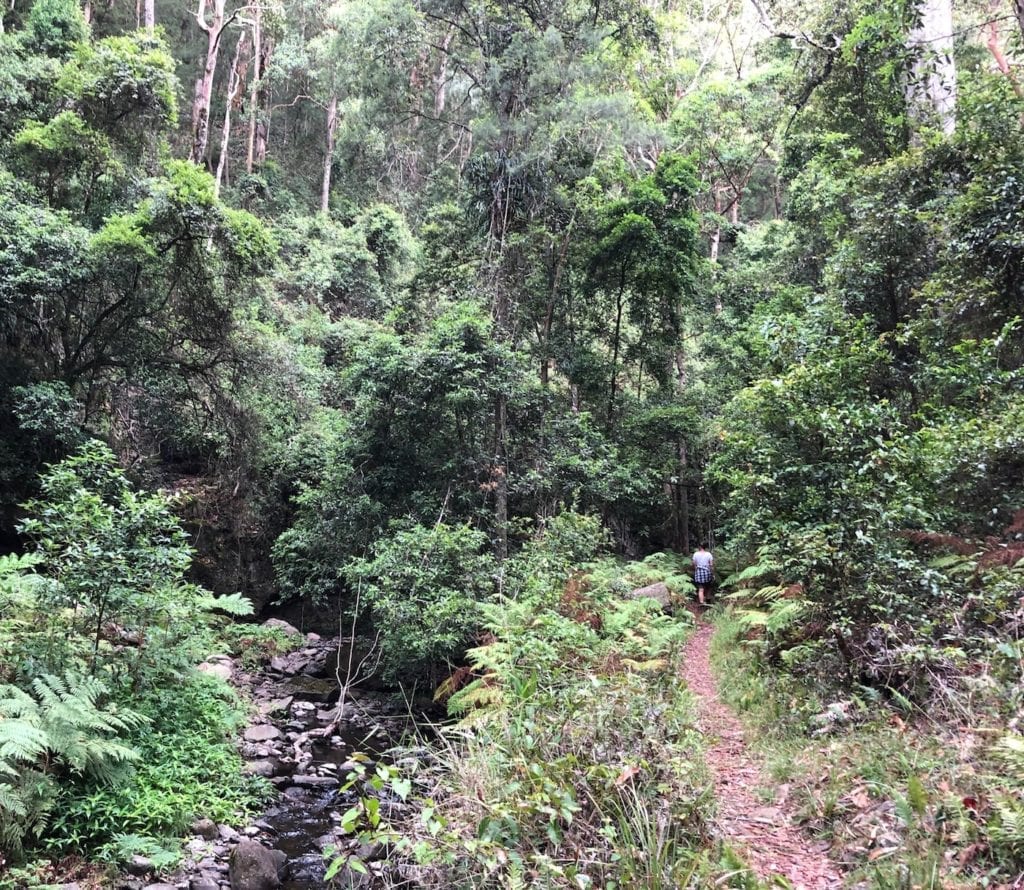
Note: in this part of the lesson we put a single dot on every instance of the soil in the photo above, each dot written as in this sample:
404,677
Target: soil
764,835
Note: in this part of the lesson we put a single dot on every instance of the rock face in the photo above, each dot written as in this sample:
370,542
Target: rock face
254,867
658,592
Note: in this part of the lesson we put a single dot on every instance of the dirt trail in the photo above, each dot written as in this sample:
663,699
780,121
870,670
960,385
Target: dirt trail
762,834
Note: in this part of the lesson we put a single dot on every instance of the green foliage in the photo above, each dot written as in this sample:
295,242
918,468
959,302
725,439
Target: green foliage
55,27
422,586
187,767
117,600
64,727
574,763
124,86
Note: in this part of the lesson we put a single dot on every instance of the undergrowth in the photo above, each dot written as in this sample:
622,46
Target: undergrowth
187,768
575,761
908,799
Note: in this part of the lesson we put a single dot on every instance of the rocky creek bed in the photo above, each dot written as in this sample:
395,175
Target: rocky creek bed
302,738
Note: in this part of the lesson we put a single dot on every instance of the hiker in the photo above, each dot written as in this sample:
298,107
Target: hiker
703,562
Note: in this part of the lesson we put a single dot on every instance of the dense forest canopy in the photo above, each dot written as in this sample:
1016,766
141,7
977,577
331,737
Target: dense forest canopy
363,282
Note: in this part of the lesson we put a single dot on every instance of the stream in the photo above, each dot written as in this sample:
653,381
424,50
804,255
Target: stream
295,700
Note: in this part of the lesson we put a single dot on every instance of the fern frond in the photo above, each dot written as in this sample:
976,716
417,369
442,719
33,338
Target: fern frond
650,666
757,570
1010,751
233,604
21,741
481,693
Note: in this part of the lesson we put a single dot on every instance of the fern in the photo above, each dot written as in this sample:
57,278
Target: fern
233,604
762,569
1006,828
1010,752
481,694
62,727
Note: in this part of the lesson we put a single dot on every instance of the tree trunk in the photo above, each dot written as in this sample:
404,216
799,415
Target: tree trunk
263,103
932,84
332,127
620,304
235,79
1018,8
995,46
254,90
149,15
204,84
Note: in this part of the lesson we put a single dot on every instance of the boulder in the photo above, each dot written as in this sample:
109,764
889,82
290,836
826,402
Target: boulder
314,781
206,829
263,768
204,882
139,865
312,689
254,867
284,626
658,592
275,706
262,732
218,669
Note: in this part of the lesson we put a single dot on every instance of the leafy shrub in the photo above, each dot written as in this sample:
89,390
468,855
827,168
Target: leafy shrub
65,729
187,767
422,586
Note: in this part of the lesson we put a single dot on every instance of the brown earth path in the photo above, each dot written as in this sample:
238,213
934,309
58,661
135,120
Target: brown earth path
763,835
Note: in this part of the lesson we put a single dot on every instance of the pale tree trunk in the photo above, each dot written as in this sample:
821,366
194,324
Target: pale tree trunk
149,15
254,90
235,82
716,243
87,12
1018,8
204,84
332,128
933,80
263,103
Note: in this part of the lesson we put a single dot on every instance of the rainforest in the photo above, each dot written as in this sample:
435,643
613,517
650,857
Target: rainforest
375,373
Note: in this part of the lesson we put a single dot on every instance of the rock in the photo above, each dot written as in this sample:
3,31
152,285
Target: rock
254,867
160,887
204,883
347,879
250,831
206,829
228,834
139,865
263,768
313,638
219,658
262,732
219,669
311,662
370,852
276,706
312,689
658,592
289,629
314,781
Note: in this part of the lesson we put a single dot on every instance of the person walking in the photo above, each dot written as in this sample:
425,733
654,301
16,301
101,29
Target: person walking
703,564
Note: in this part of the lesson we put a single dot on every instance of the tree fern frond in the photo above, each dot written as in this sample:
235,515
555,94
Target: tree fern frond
21,740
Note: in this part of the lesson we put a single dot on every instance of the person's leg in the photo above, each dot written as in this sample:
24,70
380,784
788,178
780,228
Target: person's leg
700,595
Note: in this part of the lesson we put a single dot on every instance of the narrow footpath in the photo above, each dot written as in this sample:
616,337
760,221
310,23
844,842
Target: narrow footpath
763,835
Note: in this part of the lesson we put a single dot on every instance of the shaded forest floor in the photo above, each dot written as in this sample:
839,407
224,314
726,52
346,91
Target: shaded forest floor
762,834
